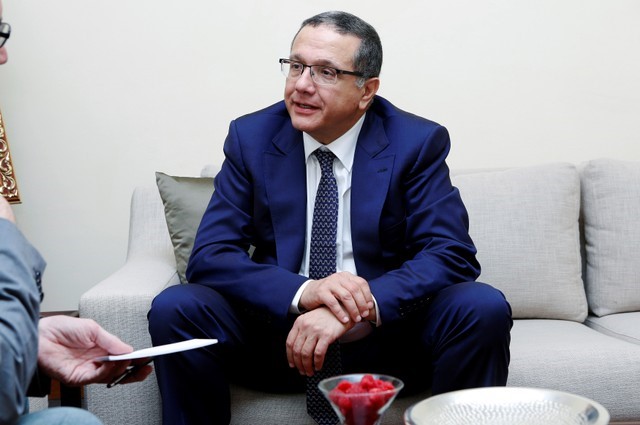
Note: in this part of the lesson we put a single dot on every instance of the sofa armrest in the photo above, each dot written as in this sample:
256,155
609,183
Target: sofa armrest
120,302
148,232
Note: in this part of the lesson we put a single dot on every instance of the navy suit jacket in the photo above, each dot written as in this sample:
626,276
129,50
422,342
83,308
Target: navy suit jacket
409,225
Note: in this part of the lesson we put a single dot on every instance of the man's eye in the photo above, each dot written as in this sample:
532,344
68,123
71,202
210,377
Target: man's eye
296,66
328,72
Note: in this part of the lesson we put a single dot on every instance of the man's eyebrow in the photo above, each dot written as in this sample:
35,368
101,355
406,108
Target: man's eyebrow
323,62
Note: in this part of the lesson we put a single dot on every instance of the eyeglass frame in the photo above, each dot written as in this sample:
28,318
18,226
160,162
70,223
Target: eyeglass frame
4,36
287,61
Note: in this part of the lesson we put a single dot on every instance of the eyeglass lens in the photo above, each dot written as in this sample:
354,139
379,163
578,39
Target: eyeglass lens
319,73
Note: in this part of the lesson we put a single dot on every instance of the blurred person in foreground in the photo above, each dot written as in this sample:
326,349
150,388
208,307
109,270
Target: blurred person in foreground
34,350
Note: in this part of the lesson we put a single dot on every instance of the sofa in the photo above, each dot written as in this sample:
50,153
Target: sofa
560,240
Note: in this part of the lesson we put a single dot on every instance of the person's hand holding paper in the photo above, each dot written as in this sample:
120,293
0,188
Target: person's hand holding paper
141,358
69,348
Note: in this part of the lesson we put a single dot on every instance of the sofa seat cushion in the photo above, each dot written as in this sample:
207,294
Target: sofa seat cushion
252,407
611,201
569,356
625,326
524,223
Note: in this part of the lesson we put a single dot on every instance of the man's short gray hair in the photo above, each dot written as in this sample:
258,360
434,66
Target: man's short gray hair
368,57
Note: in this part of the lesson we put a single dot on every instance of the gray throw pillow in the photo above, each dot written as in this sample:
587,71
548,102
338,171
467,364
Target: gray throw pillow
185,200
524,222
610,205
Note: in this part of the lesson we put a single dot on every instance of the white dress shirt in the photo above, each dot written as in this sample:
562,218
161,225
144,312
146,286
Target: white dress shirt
344,149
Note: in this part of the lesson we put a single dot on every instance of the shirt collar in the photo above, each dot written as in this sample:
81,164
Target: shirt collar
344,147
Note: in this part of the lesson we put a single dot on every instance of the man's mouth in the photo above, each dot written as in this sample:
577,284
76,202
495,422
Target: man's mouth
304,106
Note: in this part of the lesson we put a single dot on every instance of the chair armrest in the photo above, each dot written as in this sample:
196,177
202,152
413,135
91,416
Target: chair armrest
120,302
148,233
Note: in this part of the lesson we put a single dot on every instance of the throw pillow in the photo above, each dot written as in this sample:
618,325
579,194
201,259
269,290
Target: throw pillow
185,199
524,223
611,201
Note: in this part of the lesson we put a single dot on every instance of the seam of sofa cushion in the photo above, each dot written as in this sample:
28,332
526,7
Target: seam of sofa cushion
610,332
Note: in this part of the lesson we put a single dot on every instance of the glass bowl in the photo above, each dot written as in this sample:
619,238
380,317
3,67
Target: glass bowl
360,398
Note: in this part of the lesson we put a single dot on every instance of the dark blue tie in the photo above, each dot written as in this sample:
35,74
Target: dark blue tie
322,263
322,256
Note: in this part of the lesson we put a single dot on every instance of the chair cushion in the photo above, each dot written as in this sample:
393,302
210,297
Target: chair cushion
611,201
185,199
524,222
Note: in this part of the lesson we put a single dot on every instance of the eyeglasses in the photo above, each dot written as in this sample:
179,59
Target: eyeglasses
320,74
5,32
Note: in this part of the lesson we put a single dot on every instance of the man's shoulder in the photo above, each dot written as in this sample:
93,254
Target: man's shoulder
262,127
276,112
392,115
13,244
11,235
404,131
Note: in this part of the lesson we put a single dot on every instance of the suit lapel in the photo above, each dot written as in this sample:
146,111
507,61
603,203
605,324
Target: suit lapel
372,167
285,185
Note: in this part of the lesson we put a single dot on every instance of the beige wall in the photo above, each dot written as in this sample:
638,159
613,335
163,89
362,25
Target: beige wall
97,95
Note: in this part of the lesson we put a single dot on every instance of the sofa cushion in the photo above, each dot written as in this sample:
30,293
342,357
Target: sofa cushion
621,325
611,201
185,200
524,222
251,407
569,356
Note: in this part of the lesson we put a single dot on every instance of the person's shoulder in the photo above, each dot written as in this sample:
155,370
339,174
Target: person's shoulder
9,232
14,244
392,115
406,131
260,127
277,112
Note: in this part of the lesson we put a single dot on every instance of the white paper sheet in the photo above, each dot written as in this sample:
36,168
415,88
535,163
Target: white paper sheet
160,350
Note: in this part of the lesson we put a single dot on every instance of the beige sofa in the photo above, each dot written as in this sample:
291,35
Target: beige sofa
561,241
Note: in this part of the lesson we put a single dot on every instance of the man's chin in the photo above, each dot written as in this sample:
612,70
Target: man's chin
302,124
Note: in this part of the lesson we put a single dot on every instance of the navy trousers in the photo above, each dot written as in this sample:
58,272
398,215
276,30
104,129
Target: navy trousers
459,340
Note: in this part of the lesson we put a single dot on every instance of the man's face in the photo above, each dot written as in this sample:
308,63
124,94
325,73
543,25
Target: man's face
326,111
3,50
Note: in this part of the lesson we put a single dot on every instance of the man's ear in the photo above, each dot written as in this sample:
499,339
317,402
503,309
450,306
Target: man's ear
369,90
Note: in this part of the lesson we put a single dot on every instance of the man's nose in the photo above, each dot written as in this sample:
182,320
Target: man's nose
305,81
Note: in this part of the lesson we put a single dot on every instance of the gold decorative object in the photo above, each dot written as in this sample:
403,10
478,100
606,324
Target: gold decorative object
8,186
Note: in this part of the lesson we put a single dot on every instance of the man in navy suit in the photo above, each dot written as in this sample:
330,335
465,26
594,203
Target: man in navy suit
403,301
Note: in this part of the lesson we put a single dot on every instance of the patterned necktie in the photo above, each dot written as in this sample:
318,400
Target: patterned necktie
322,263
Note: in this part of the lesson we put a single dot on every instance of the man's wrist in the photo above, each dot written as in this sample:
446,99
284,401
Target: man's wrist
295,307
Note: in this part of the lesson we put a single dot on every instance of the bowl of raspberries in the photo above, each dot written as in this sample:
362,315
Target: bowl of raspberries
360,398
